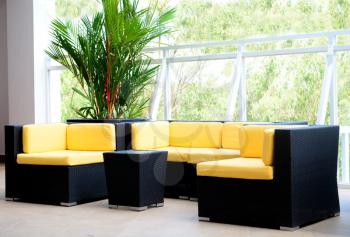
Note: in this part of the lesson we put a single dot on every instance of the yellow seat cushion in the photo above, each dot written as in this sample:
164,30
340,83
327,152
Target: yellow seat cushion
91,137
149,135
196,155
64,158
44,137
196,134
175,154
238,168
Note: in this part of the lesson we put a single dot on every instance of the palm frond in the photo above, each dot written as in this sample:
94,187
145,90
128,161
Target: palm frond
105,55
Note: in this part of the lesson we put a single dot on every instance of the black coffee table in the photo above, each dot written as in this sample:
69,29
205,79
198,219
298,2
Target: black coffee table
135,179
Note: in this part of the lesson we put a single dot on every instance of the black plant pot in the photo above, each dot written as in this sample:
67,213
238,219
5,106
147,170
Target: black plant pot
114,121
122,126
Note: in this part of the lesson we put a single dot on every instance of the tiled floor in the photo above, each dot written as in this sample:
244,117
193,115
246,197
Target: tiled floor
177,218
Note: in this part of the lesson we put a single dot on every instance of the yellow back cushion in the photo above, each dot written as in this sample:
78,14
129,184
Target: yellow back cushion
268,146
149,135
196,134
44,137
91,137
251,139
230,135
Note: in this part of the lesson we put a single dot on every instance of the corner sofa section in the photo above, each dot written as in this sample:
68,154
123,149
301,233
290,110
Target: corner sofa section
57,163
187,143
285,178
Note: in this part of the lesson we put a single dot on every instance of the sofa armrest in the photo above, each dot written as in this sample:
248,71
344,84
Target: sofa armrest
13,143
305,170
13,146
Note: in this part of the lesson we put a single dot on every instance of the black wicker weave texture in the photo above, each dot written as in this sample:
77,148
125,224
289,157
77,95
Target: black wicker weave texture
303,191
50,184
135,178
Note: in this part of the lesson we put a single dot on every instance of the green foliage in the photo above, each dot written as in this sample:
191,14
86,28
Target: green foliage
279,88
105,56
70,100
284,90
73,9
202,102
241,19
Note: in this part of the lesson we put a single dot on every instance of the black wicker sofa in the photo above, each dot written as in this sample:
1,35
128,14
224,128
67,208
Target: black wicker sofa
57,163
296,188
189,143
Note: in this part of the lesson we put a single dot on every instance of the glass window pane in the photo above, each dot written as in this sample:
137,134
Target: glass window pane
200,89
343,78
284,88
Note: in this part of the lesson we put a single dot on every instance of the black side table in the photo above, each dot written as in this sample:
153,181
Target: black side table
135,179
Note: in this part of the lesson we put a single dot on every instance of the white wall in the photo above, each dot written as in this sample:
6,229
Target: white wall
4,113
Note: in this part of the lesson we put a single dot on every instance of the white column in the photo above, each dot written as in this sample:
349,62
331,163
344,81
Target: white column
4,111
327,82
236,81
167,90
54,96
20,38
345,157
157,94
27,37
243,93
333,97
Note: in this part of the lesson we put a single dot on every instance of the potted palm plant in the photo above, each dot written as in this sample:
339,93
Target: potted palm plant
105,55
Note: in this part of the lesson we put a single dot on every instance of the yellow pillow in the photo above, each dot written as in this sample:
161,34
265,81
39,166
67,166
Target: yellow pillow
196,134
91,137
44,137
268,147
230,135
149,135
251,139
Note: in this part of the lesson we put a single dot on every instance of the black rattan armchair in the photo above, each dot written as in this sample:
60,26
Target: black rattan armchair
303,190
52,184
